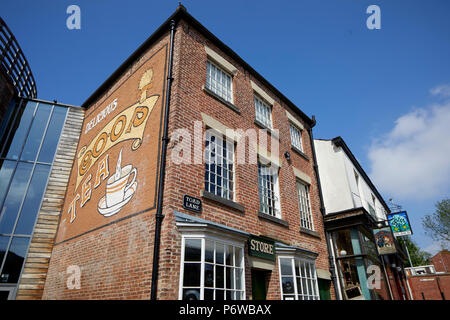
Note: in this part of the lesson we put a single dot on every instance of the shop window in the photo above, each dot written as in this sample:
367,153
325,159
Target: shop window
212,270
298,279
219,166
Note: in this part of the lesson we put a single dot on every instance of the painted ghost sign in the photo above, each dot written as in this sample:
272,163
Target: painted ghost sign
114,174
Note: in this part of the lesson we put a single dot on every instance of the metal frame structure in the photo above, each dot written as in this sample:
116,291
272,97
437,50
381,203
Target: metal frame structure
14,64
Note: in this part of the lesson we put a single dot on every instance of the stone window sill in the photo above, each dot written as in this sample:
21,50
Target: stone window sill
300,152
270,218
222,100
310,232
228,203
269,130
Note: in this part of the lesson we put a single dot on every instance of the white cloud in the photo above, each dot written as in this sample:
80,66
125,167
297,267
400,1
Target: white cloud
443,90
412,161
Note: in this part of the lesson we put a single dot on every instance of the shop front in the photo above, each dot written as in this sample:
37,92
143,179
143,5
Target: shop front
361,272
222,263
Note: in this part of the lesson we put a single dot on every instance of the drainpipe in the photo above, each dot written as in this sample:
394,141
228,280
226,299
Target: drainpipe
165,140
322,211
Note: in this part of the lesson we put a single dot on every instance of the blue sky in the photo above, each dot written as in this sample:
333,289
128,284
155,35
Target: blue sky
381,90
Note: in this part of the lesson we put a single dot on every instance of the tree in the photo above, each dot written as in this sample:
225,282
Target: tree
418,257
437,225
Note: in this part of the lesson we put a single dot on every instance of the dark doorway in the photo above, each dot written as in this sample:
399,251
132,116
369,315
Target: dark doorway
259,286
324,289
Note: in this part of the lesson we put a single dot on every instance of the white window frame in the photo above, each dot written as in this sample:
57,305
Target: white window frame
314,287
276,207
304,203
219,88
263,112
296,136
215,239
226,191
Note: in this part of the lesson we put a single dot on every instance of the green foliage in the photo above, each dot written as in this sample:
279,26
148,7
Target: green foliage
437,225
418,257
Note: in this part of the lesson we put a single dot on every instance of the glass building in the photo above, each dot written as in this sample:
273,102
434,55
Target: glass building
29,132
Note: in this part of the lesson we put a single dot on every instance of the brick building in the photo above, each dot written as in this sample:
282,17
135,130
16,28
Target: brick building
242,223
431,282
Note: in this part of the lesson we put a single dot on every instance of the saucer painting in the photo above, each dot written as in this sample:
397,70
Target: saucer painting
109,211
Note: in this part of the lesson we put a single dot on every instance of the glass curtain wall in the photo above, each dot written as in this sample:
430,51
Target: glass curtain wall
29,136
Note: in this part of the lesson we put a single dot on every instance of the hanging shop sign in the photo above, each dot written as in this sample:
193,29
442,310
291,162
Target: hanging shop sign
191,203
261,247
384,240
115,175
399,223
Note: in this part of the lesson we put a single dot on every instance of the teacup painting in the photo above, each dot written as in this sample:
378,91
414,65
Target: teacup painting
120,188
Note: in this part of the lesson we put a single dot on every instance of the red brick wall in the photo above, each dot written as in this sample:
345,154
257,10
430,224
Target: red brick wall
188,100
426,287
441,261
116,258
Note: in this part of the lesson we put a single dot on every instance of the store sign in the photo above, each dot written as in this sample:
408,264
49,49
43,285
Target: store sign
399,223
191,203
114,174
261,247
384,241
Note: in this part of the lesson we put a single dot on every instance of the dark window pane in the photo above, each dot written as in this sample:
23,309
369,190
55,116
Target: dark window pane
3,247
52,136
209,294
7,119
6,170
191,277
219,276
36,132
33,199
230,278
230,295
220,295
209,251
219,253
192,251
14,260
229,255
288,284
191,294
209,275
19,131
14,198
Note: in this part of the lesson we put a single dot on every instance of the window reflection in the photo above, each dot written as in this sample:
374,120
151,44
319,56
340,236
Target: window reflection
36,133
33,200
14,198
30,130
50,143
14,260
19,131
6,171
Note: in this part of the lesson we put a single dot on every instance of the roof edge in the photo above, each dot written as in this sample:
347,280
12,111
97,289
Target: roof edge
338,141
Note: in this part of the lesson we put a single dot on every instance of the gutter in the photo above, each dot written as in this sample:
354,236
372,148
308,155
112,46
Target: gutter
165,140
322,211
